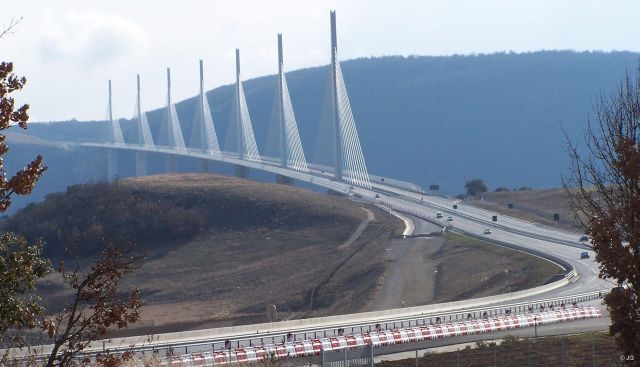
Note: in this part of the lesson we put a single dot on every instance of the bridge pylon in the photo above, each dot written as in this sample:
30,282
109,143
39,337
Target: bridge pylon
291,152
284,152
337,141
171,133
349,160
203,132
145,138
115,137
246,140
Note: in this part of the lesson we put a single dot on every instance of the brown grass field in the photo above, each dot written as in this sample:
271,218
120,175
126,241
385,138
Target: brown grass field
532,205
304,266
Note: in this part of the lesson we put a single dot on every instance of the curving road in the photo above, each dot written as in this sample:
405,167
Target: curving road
552,242
473,220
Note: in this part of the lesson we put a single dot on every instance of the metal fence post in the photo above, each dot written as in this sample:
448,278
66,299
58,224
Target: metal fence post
370,354
458,358
417,365
322,358
345,357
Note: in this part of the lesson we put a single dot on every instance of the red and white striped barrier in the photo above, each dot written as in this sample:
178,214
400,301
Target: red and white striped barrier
312,347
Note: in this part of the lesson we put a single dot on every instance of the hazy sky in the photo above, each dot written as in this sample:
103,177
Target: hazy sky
68,49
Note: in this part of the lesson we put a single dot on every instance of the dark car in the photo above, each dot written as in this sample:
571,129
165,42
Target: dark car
584,255
584,238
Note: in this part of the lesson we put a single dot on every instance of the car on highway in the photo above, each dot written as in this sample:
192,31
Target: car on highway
439,215
487,231
584,255
449,219
377,196
584,238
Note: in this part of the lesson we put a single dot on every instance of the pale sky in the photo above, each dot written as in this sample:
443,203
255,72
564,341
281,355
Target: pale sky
68,49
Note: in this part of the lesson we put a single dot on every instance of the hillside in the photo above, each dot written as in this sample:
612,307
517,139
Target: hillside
220,248
531,205
498,117
173,207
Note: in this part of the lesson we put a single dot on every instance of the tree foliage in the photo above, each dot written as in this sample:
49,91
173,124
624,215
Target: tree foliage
98,305
81,218
475,187
23,182
604,187
21,265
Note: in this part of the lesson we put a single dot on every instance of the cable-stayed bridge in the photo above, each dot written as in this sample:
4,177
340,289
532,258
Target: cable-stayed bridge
344,171
287,157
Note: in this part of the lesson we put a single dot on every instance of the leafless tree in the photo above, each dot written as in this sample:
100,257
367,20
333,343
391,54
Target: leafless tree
11,28
604,187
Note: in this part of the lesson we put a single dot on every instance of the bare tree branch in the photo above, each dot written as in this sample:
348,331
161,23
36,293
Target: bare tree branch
10,29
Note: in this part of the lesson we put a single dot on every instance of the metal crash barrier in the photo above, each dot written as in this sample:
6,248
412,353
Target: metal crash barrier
319,346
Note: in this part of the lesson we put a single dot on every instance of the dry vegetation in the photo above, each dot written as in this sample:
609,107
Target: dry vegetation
531,205
257,244
590,349
289,248
463,272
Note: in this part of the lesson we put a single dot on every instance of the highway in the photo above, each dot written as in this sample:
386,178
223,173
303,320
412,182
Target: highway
558,243
561,244
467,219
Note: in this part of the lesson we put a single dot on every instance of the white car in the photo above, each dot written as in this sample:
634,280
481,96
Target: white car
439,215
449,219
487,231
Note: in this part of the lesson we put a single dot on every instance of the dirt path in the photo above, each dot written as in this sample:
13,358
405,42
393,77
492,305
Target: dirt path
363,225
412,278
431,269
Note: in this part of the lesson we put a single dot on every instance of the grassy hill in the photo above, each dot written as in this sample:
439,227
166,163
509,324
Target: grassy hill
155,209
219,248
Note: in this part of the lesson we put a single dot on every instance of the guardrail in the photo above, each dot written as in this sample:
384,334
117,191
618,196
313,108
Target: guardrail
388,181
279,332
290,347
380,337
448,210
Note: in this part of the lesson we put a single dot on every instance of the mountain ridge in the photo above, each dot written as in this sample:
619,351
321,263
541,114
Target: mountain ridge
433,120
